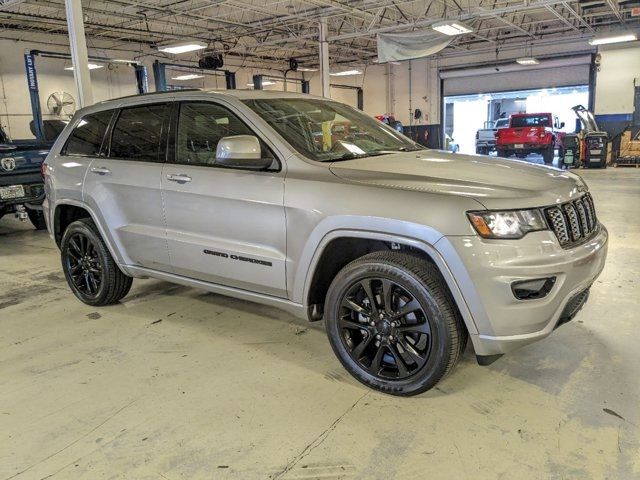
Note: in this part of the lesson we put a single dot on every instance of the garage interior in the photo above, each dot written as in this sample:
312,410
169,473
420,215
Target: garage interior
179,383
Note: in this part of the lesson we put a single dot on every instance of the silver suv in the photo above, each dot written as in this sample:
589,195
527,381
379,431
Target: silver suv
309,205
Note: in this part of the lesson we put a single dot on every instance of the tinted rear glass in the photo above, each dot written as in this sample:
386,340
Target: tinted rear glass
137,133
87,137
531,121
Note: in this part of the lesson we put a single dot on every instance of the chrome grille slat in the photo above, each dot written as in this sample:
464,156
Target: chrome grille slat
573,222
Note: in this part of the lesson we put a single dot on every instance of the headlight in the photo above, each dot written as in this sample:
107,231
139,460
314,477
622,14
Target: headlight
507,224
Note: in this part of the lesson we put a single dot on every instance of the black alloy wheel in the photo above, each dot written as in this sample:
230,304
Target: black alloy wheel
392,322
84,265
384,328
90,270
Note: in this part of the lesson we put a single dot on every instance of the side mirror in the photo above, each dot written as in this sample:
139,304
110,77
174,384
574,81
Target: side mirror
241,151
561,124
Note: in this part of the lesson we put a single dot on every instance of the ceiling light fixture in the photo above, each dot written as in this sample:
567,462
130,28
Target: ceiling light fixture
528,61
188,76
613,38
346,73
452,27
92,66
177,49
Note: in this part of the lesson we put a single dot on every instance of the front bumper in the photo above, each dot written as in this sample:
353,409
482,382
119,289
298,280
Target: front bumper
486,269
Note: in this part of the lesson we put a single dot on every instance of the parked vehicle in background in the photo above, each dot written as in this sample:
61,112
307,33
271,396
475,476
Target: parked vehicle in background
21,182
529,133
486,137
404,252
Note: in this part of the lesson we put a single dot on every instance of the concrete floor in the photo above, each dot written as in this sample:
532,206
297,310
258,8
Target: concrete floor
175,383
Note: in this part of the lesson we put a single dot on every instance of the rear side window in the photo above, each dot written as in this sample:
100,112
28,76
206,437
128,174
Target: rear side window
138,133
86,138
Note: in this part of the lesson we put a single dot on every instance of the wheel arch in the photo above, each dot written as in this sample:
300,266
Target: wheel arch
360,243
66,212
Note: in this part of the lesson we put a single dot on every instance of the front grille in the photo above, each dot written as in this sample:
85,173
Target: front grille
573,222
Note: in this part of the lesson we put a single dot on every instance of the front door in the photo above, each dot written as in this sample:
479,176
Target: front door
224,225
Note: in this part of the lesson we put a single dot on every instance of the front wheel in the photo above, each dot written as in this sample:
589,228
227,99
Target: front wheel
88,266
392,323
36,217
502,153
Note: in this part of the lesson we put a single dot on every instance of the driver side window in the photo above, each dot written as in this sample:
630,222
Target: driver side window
200,128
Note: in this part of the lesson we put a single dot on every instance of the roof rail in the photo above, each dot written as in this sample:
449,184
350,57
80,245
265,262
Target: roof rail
152,93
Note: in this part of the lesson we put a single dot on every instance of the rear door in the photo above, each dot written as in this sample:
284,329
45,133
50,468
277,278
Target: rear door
224,225
123,185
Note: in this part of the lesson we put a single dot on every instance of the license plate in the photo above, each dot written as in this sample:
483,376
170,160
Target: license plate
13,191
519,145
595,152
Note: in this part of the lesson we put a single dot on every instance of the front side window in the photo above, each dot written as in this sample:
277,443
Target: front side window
137,134
327,131
200,128
86,138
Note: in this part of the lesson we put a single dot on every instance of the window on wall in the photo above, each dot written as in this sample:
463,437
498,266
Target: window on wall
200,128
137,134
86,139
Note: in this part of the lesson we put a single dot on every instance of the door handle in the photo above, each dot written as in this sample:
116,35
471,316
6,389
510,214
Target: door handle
101,170
179,178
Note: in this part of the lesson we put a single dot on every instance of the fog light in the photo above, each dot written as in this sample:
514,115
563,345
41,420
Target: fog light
532,289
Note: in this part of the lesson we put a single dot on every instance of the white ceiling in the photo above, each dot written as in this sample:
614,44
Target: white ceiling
275,30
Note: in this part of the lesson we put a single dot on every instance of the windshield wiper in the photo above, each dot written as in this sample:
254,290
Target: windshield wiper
351,155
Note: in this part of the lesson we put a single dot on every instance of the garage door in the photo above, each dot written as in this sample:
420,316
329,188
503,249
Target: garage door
562,72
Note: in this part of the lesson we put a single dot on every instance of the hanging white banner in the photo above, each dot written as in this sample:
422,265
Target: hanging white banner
406,46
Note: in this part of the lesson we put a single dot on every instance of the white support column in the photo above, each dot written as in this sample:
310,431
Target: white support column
79,55
324,58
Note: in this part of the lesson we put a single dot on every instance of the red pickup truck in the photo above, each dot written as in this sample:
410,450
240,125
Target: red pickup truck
530,133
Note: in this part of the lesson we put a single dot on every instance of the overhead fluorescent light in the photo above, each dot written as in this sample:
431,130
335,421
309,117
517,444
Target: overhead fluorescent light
307,69
264,83
92,66
528,61
188,76
346,73
613,38
452,27
182,47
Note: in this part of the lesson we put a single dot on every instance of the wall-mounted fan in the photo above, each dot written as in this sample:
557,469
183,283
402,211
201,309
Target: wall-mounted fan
61,104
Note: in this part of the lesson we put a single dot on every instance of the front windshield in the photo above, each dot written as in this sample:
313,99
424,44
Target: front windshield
328,131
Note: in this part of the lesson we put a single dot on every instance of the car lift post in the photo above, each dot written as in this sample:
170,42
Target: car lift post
258,81
142,82
160,75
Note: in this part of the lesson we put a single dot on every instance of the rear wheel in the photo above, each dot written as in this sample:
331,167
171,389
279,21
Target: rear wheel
37,219
393,324
88,266
502,153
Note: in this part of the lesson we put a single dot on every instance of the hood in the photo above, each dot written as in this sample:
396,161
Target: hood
494,182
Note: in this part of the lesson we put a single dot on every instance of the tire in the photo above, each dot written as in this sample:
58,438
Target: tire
547,155
414,351
89,268
502,153
37,219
